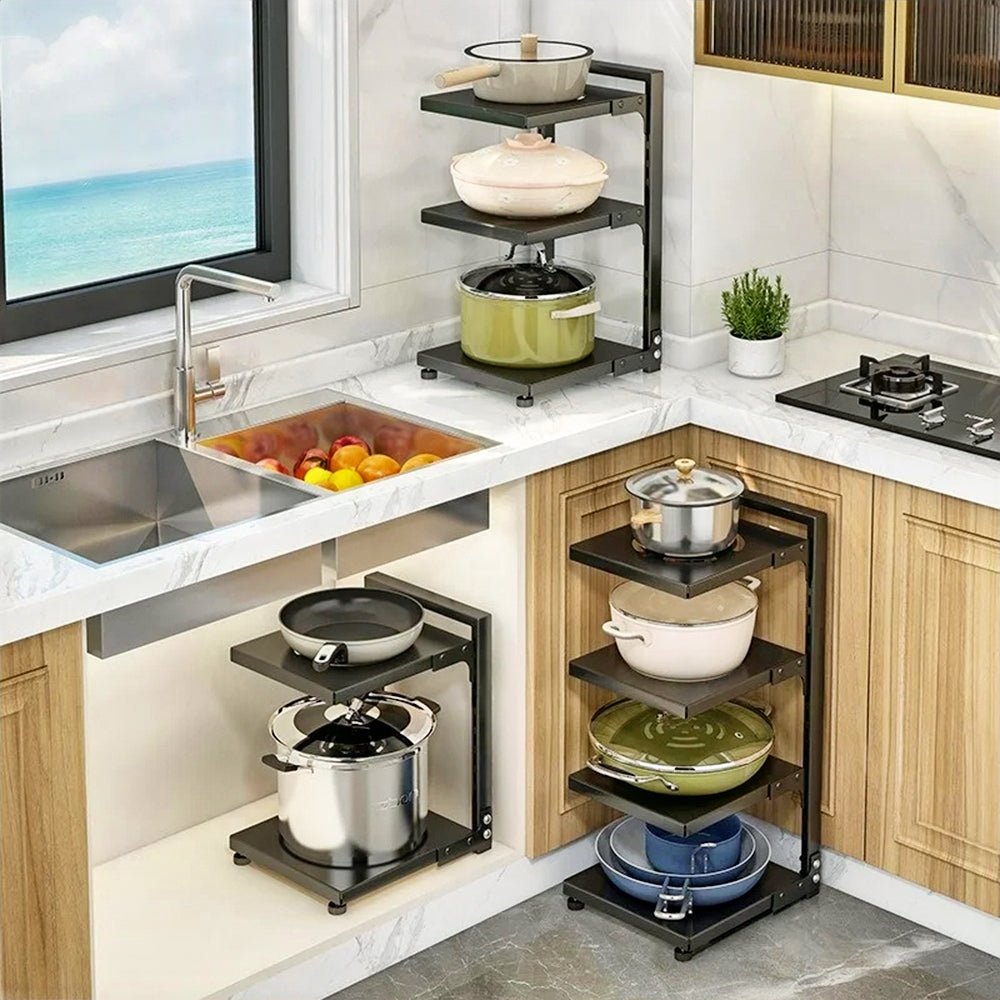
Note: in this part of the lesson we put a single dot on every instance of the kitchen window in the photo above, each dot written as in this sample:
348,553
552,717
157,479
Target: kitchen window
137,136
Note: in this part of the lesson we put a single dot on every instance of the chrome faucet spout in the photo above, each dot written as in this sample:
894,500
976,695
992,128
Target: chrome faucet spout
187,393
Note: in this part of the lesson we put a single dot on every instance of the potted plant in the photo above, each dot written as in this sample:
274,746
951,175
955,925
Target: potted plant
756,311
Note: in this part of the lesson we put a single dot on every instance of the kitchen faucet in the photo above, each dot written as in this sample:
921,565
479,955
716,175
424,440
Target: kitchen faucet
187,392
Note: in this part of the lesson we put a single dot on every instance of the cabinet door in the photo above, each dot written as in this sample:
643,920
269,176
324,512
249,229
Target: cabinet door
934,732
846,498
44,871
567,604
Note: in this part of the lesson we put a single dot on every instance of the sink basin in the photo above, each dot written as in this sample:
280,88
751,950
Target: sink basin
138,498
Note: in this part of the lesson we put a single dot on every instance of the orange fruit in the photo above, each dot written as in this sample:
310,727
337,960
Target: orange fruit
348,457
377,467
416,461
345,479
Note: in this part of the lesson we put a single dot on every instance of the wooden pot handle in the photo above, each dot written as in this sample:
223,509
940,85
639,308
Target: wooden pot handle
529,47
467,74
649,516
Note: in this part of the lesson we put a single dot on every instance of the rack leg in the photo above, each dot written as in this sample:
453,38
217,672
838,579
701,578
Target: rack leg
240,859
574,904
683,956
428,373
336,909
525,401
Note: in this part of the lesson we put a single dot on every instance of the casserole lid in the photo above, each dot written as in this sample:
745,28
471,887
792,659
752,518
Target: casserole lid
379,725
527,280
724,604
685,485
724,737
529,160
510,50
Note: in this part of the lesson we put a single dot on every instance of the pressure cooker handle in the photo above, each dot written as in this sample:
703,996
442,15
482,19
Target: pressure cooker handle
467,74
587,309
282,766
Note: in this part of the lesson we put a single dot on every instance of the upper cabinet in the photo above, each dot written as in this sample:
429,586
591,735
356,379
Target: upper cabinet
924,48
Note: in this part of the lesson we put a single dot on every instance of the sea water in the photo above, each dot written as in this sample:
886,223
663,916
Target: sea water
83,231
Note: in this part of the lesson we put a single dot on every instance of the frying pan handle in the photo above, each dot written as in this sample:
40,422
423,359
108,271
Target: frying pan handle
330,653
281,766
467,74
673,903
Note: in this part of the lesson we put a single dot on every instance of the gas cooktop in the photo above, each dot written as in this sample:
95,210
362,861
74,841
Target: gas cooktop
952,406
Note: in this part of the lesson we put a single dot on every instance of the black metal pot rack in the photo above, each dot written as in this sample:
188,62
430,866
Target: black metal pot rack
435,649
609,357
760,547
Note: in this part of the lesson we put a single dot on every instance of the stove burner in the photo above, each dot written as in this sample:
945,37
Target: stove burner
897,385
898,379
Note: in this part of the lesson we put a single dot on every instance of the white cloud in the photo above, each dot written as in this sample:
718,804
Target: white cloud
155,83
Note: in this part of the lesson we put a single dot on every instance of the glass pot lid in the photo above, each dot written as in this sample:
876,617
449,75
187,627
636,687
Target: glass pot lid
547,51
722,738
685,485
723,604
526,280
379,725
529,160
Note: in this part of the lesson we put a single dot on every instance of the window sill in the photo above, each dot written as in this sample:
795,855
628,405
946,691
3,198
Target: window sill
145,335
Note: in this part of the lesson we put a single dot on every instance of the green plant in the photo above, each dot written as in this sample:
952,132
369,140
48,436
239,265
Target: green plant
756,308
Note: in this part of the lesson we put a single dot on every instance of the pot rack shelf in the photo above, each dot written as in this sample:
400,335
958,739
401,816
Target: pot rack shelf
435,648
760,547
609,357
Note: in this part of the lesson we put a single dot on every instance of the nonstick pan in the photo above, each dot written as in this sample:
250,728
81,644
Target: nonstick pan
351,625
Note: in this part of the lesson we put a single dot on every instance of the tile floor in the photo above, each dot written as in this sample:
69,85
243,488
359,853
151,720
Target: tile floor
832,947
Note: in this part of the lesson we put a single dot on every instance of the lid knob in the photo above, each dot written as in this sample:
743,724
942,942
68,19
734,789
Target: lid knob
529,46
684,467
528,140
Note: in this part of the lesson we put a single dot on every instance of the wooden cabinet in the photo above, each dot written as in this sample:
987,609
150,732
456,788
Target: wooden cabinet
845,497
934,734
44,871
567,603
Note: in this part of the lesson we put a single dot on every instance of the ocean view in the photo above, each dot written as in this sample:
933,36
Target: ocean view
77,232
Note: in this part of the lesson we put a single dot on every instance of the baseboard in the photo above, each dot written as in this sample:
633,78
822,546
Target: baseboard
889,892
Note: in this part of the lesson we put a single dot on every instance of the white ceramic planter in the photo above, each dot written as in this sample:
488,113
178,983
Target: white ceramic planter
756,358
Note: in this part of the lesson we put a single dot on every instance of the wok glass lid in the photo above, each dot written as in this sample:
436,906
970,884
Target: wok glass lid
684,485
723,737
527,280
724,604
510,51
380,725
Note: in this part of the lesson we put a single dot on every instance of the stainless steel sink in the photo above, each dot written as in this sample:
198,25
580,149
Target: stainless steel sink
137,498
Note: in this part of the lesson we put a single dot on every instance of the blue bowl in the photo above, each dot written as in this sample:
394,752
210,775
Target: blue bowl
713,849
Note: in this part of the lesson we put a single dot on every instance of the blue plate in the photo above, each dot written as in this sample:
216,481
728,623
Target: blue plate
627,844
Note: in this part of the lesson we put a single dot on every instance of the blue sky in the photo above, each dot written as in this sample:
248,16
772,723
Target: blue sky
93,87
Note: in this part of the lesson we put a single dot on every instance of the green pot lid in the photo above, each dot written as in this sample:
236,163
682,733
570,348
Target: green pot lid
726,736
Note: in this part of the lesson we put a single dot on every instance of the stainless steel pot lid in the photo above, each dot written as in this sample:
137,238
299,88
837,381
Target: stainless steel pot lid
380,725
510,51
526,280
685,485
724,604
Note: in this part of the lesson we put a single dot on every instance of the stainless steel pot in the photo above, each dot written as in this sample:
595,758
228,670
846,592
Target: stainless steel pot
525,71
685,512
352,779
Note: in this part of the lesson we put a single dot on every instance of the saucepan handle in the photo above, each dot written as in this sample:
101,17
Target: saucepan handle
466,74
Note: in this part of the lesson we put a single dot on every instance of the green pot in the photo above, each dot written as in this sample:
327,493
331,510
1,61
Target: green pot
707,754
510,317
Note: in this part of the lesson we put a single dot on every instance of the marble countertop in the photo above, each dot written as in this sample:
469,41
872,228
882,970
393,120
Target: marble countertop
41,589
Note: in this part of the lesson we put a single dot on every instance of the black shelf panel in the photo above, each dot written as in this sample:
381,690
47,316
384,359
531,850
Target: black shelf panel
609,358
697,931
605,213
269,655
686,814
765,663
445,840
760,547
595,102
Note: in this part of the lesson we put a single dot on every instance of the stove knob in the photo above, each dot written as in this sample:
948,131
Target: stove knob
933,417
981,428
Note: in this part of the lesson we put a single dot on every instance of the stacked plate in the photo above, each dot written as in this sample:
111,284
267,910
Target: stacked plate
717,865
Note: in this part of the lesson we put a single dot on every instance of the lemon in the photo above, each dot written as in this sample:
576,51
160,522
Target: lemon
344,479
318,476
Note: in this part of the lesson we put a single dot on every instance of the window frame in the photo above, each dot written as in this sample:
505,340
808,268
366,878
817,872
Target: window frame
139,293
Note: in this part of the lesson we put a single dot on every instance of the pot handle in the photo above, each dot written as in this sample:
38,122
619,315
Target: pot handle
651,515
433,706
587,309
466,74
330,653
630,779
277,764
673,903
617,632
706,857
750,582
